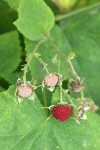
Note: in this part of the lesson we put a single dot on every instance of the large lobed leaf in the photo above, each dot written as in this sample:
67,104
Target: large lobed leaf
35,19
24,126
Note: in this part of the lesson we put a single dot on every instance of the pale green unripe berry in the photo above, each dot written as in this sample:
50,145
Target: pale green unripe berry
65,4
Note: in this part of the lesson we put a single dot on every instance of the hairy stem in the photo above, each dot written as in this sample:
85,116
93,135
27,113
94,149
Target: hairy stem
72,69
44,64
58,63
74,74
29,58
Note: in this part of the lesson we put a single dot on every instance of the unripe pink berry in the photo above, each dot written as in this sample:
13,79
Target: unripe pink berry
24,91
51,80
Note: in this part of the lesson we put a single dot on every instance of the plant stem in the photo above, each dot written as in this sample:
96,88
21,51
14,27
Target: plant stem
60,90
29,58
58,63
75,75
82,95
72,68
70,99
61,17
49,117
45,101
44,64
60,87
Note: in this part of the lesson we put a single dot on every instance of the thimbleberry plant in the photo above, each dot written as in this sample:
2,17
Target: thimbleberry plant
49,75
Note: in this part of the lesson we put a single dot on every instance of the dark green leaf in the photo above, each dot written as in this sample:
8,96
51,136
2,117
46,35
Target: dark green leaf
7,17
10,52
13,3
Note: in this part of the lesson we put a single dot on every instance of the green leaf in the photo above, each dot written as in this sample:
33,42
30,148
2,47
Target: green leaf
7,16
13,3
19,122
83,34
13,77
24,126
35,19
10,52
1,89
55,96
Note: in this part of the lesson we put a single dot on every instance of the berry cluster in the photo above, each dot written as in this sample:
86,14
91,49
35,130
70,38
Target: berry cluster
62,110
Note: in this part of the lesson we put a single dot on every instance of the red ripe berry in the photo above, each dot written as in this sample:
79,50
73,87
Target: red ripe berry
61,112
51,80
24,91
